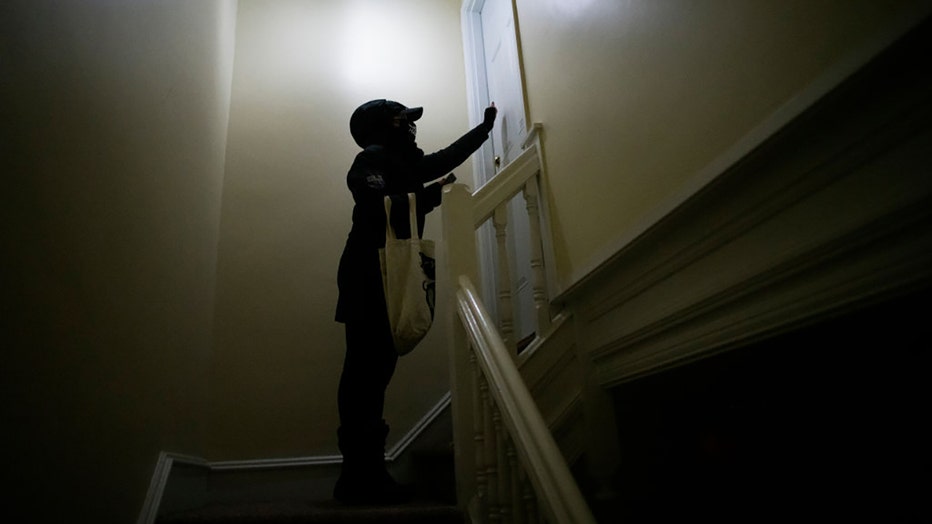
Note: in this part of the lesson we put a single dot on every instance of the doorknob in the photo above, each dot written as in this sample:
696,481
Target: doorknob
498,161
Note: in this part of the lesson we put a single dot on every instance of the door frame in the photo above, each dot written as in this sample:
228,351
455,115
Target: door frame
477,99
477,91
477,94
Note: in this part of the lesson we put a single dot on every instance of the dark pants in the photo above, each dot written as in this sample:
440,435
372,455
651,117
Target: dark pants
367,369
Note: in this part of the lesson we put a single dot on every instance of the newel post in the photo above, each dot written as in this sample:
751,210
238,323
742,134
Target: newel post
459,252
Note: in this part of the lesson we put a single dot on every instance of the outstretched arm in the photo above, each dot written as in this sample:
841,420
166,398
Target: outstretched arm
434,165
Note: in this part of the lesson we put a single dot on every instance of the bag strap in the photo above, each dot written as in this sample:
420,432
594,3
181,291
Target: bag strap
389,232
412,217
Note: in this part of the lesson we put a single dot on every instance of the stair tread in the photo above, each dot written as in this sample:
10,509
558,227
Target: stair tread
323,512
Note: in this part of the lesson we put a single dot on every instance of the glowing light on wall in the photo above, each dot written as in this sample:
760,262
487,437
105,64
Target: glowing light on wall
571,8
378,46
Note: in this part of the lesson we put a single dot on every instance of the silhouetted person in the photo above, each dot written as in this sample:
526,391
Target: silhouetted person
390,164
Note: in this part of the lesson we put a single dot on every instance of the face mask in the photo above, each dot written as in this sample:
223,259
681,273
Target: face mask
404,129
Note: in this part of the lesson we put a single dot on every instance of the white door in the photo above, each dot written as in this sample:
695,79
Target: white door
503,76
491,38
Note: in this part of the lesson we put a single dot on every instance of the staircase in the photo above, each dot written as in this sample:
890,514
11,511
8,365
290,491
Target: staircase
433,503
317,512
427,466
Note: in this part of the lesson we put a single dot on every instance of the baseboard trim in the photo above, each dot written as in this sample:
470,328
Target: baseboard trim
399,448
167,460
150,507
276,463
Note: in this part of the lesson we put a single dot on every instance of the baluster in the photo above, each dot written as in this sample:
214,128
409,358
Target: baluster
505,308
504,495
490,454
541,298
514,469
530,501
478,436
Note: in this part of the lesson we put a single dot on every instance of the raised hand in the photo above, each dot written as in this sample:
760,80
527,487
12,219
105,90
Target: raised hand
489,118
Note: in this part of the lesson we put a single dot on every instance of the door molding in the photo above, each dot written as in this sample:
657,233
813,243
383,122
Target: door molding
478,98
477,93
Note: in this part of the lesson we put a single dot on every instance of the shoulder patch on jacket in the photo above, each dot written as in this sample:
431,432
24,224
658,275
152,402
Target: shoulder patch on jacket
375,180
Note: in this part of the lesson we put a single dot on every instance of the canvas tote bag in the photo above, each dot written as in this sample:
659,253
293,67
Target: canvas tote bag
408,276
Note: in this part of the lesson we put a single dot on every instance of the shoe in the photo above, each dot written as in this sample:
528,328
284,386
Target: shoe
364,480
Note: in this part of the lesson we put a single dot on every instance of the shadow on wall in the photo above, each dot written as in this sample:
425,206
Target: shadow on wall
822,421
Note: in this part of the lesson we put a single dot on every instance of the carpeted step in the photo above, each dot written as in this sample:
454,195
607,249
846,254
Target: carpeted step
434,475
325,512
279,497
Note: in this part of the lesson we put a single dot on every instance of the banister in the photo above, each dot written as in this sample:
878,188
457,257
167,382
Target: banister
507,183
532,133
547,470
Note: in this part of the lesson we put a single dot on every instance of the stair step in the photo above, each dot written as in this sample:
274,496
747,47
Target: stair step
434,476
325,512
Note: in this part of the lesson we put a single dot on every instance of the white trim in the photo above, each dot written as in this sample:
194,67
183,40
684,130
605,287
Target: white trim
166,461
150,507
800,231
477,98
554,285
558,495
326,460
791,109
531,137
477,95
509,182
291,462
395,452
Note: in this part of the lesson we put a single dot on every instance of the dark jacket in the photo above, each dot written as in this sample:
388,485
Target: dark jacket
379,171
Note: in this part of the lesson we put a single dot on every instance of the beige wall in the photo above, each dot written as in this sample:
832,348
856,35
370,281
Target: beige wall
113,147
113,132
637,98
301,69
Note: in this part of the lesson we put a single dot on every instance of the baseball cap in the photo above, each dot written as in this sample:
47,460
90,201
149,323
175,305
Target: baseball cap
375,116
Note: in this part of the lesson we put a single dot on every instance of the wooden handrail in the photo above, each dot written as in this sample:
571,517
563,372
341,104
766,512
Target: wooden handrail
506,184
558,494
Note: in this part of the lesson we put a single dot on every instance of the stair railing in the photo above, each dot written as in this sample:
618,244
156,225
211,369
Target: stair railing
490,203
521,475
508,466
